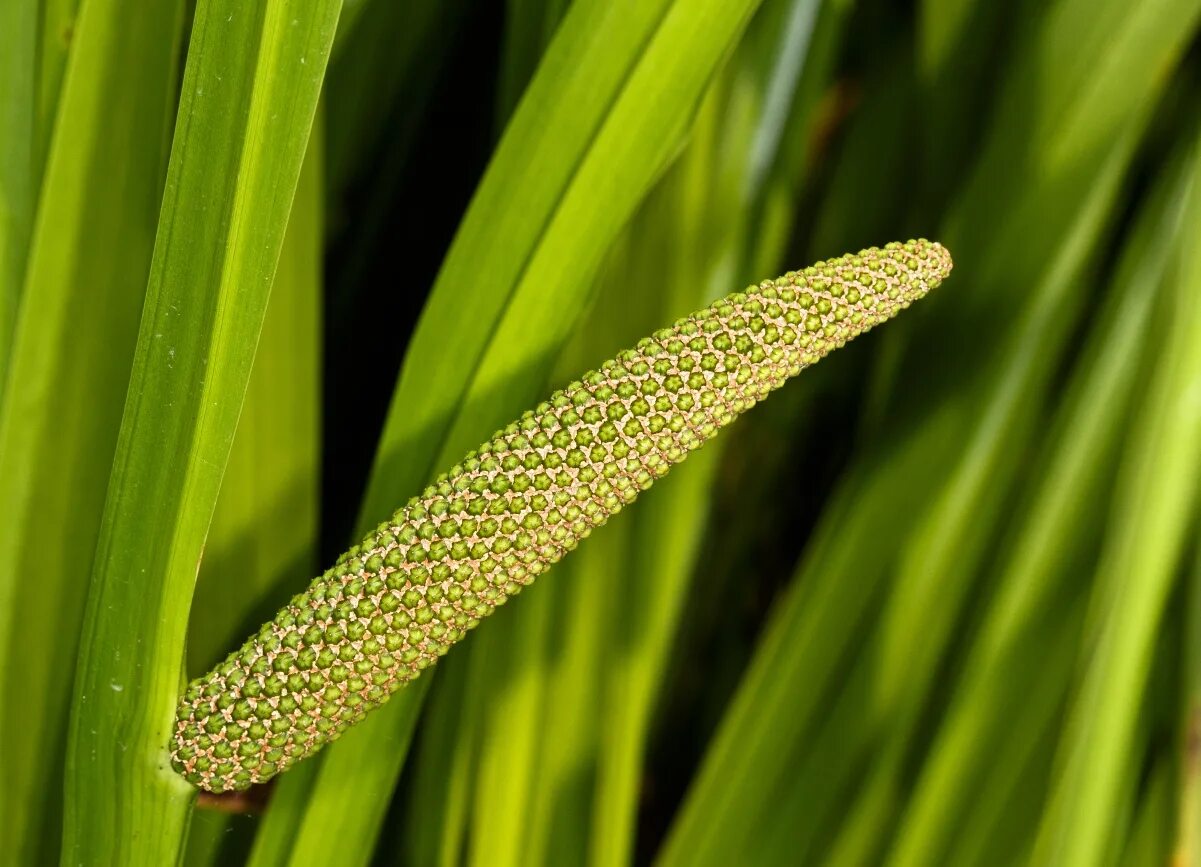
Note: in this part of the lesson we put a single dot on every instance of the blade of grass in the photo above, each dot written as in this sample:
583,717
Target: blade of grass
512,704
1153,506
1188,796
678,254
731,777
863,169
959,44
566,738
250,91
658,579
584,129
604,114
786,836
261,546
792,52
262,542
792,141
529,26
1002,831
1153,823
85,281
509,819
59,26
435,819
994,451
507,701
1048,549
562,803
18,191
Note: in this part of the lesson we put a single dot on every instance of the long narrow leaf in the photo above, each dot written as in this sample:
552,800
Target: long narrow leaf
262,544
249,94
959,398
1161,468
18,189
1045,552
59,417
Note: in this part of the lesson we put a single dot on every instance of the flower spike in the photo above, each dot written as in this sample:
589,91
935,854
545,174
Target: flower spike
397,601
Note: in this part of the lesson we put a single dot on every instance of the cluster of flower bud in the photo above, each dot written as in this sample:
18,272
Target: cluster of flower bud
397,601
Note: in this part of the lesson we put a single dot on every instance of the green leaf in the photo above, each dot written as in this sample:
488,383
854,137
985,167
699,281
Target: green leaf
1152,509
88,263
529,26
952,446
1150,837
1059,525
262,544
18,189
1188,795
60,25
249,93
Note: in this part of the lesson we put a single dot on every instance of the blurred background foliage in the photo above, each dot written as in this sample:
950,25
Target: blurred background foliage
937,602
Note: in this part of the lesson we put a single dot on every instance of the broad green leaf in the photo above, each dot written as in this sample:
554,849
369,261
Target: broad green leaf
88,263
248,98
583,136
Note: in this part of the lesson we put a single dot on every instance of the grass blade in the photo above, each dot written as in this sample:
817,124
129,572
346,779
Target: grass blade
1188,831
1152,509
85,280
781,697
250,91
18,191
1034,583
1152,827
60,21
262,545
529,26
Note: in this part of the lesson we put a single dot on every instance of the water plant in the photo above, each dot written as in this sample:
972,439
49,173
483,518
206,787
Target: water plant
399,599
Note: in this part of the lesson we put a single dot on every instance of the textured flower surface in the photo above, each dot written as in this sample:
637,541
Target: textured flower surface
397,601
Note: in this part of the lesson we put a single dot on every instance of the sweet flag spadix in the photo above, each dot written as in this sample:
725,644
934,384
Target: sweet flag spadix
397,601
